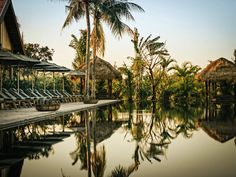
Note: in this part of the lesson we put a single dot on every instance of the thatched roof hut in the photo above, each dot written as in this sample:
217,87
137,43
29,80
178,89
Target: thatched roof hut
218,70
104,70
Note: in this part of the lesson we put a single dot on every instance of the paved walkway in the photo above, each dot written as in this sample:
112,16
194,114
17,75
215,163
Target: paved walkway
18,117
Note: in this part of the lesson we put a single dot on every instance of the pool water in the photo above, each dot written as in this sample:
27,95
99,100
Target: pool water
131,140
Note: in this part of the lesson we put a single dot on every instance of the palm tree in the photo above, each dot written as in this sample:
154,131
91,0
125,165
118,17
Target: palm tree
109,12
80,47
185,85
152,52
76,10
137,65
165,67
187,69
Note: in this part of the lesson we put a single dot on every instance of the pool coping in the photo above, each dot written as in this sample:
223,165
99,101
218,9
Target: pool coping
19,117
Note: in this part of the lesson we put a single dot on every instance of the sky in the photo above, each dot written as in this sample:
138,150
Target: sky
194,30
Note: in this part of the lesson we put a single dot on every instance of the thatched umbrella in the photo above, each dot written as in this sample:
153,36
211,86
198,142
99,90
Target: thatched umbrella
104,71
218,70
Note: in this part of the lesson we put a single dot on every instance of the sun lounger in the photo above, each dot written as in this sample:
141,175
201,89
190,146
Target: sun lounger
21,102
75,98
31,94
25,99
68,98
26,95
8,102
61,97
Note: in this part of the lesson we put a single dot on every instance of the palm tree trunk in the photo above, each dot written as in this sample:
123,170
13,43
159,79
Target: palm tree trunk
94,60
87,49
153,85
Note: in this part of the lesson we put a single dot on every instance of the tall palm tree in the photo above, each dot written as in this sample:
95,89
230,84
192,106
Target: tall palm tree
76,10
152,52
108,11
111,13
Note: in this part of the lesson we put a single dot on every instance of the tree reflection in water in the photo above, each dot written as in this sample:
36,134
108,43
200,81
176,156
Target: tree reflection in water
153,131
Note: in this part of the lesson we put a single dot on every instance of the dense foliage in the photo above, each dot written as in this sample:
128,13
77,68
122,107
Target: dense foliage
43,53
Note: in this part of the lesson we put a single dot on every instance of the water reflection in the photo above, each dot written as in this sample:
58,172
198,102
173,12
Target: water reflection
148,130
220,122
33,141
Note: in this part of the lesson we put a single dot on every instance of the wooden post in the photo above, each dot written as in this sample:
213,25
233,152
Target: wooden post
0,77
63,82
32,79
18,80
234,92
44,81
53,80
207,94
110,88
235,96
81,86
209,90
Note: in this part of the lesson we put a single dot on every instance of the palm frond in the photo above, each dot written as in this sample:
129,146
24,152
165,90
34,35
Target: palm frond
75,11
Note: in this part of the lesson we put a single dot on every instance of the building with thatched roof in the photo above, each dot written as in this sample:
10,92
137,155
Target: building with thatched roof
104,71
219,71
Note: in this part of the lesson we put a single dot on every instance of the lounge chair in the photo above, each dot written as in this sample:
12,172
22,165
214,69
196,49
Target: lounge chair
8,102
25,99
76,97
61,97
31,94
38,94
20,101
68,98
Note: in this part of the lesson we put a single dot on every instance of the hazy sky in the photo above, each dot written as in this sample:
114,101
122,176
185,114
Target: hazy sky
194,30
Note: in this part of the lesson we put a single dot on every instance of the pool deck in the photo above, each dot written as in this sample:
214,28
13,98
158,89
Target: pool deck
18,117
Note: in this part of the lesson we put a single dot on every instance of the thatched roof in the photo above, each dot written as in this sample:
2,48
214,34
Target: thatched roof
104,70
220,69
